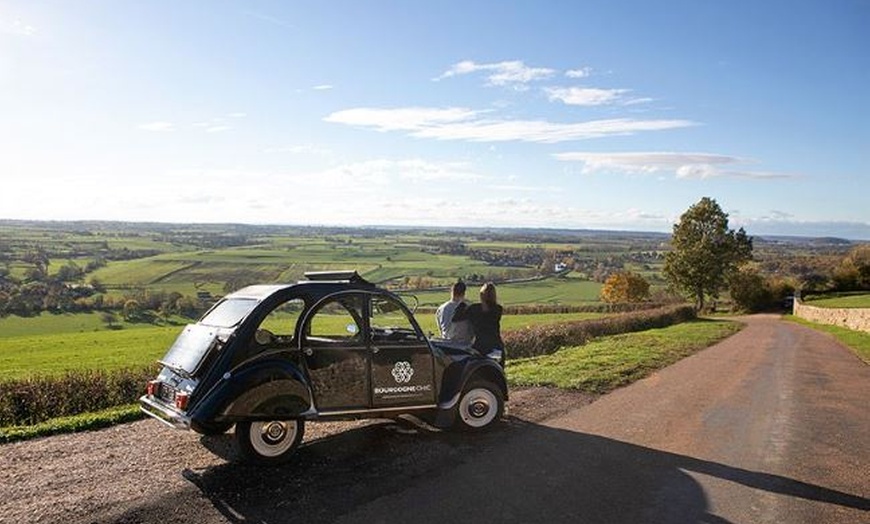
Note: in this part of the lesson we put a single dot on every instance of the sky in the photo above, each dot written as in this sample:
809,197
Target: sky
614,115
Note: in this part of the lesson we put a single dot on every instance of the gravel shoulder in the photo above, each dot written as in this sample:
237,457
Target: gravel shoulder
143,471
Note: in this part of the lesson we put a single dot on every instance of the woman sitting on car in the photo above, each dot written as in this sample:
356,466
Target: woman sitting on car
485,319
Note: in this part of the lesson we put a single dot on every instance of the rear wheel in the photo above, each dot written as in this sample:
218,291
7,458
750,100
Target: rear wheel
480,406
270,442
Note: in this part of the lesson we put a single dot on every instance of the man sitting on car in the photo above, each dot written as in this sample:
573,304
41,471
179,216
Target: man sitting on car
461,331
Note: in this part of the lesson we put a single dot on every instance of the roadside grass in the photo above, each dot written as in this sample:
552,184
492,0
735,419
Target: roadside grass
860,300
857,341
608,363
71,424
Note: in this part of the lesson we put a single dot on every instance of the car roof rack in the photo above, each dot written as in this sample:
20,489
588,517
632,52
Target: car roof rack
336,276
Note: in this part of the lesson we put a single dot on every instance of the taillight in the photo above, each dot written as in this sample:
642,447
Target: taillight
181,399
152,388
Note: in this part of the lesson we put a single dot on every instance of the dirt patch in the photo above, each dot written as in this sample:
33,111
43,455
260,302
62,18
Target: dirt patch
144,471
539,404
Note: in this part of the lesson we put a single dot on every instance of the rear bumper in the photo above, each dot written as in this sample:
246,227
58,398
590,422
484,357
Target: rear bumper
163,413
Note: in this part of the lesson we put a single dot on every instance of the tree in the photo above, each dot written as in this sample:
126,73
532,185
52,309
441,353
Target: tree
749,290
853,272
109,319
625,286
132,310
704,252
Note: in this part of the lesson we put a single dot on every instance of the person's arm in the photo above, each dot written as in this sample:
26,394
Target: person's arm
461,312
498,311
443,323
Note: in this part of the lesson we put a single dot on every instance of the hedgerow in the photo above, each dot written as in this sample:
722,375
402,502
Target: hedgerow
38,398
545,339
72,424
539,309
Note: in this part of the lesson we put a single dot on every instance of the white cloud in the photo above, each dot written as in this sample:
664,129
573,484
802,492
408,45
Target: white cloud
466,124
383,172
157,126
583,72
642,162
404,119
16,27
590,96
237,115
512,73
301,149
758,175
322,87
683,165
526,189
584,96
780,215
701,171
217,129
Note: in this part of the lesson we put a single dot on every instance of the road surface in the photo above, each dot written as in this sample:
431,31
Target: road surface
771,425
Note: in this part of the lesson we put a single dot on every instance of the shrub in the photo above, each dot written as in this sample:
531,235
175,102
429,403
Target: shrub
542,340
625,286
39,398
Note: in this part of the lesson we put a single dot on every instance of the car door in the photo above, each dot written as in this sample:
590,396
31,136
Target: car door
336,353
402,363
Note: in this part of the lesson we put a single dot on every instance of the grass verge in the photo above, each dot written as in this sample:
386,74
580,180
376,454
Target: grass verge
608,363
84,422
840,300
857,341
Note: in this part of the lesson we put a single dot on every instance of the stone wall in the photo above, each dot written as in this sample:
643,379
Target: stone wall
852,318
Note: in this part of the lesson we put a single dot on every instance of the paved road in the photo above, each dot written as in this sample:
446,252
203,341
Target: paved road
771,425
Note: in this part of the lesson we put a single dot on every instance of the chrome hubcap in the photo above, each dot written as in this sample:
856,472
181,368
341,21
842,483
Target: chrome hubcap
478,407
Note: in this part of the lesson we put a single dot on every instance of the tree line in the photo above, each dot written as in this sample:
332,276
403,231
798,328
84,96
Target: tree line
707,258
64,292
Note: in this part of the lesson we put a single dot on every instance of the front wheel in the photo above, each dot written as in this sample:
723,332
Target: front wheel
270,442
481,406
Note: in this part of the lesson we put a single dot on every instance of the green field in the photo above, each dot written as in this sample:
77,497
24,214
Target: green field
566,290
860,300
24,355
378,261
51,324
54,354
605,364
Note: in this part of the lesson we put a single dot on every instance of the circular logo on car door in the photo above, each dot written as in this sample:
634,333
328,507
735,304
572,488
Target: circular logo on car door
403,372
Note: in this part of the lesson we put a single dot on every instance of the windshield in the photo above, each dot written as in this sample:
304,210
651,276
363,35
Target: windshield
229,312
189,348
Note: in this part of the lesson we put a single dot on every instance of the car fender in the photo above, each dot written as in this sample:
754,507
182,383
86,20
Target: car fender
264,390
454,380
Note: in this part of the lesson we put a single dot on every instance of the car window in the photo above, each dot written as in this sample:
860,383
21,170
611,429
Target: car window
229,312
390,322
281,321
337,321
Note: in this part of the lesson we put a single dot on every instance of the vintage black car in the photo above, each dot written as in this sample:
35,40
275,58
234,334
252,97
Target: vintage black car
267,358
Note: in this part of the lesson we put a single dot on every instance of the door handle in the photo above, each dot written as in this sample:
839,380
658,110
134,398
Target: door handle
308,351
376,350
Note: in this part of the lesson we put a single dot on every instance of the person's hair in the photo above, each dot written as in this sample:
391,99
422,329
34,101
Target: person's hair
487,295
458,288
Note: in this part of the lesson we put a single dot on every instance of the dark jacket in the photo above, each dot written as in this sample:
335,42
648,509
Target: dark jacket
486,324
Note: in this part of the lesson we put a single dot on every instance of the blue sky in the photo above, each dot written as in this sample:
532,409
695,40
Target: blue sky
604,115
